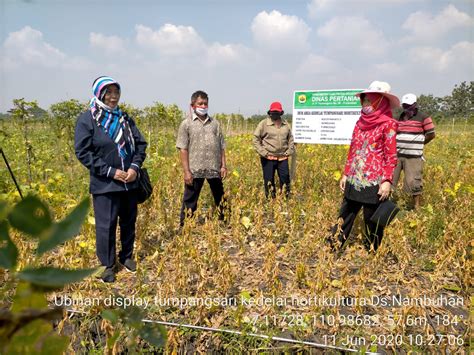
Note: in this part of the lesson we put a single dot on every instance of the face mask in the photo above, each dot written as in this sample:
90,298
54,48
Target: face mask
201,111
368,109
372,107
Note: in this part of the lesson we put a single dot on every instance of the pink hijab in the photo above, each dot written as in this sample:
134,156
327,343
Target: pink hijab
379,116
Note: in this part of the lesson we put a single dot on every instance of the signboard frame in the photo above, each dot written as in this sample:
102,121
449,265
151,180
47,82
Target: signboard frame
325,116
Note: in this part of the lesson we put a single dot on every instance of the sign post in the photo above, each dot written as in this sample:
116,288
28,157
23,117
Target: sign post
325,116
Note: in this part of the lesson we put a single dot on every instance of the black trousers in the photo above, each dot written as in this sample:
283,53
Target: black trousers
269,167
373,233
191,196
108,208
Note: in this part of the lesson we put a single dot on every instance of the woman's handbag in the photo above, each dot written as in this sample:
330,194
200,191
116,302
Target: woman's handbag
145,189
385,213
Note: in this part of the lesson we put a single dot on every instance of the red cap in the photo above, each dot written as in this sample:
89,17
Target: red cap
276,106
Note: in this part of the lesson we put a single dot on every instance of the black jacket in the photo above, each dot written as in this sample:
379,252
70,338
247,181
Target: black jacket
98,153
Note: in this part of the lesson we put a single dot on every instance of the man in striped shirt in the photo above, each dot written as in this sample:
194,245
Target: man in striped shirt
415,129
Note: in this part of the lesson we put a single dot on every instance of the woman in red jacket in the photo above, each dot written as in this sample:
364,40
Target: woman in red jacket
370,164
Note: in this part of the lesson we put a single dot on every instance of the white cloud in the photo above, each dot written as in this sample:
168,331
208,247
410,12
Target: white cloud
348,51
108,44
460,55
315,7
320,72
388,69
170,39
277,31
353,34
30,64
316,64
425,27
26,49
27,46
390,72
227,53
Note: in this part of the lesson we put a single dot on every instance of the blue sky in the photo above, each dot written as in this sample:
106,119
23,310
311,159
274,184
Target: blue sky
245,54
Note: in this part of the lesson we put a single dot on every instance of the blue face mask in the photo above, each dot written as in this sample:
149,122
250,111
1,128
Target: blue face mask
201,111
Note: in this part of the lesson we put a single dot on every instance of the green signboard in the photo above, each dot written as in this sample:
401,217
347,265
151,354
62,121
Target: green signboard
326,99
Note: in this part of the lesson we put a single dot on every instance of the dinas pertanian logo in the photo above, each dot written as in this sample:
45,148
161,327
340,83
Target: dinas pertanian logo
302,98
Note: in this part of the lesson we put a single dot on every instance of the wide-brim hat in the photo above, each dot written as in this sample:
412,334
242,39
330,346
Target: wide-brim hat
383,88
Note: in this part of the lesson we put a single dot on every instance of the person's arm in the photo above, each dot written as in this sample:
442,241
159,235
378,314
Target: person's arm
223,165
85,152
223,169
257,141
291,144
350,158
140,152
428,128
342,182
429,137
182,144
389,161
140,147
188,176
351,152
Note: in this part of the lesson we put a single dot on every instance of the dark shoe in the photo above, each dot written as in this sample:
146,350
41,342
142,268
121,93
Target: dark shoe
130,265
108,275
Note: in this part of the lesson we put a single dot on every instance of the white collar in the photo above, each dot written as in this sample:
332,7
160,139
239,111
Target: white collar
194,117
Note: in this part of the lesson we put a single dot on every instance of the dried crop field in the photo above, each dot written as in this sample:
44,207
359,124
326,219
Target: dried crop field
268,270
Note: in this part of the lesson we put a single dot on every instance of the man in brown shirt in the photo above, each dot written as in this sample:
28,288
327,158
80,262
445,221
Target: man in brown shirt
273,141
202,152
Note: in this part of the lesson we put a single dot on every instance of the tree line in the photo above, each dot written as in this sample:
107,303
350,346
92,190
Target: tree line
458,105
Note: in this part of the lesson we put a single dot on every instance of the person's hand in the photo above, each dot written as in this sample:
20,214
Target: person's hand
131,175
342,182
188,178
271,157
120,175
223,172
384,190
